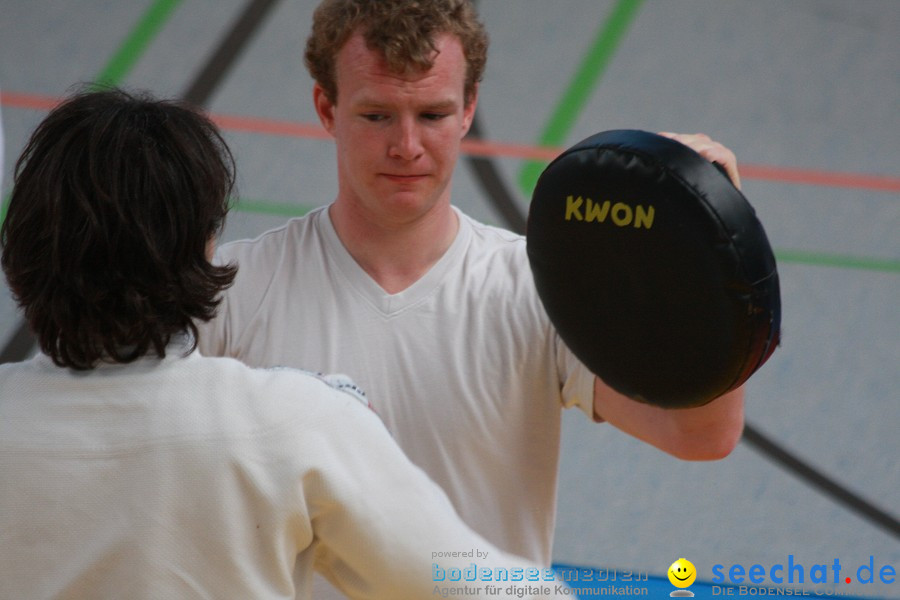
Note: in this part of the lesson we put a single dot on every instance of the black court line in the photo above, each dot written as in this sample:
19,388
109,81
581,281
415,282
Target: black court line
19,345
817,479
229,49
201,88
486,173
498,194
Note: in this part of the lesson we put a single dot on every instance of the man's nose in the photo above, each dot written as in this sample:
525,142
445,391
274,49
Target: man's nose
407,140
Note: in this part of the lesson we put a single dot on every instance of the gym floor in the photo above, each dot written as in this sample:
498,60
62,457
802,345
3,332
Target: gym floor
806,94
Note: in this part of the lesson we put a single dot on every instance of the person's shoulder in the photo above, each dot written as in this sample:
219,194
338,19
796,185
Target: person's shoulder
261,260
286,393
335,385
493,244
13,374
294,381
270,243
491,234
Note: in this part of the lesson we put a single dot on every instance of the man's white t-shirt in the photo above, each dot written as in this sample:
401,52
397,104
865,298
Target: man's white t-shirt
464,366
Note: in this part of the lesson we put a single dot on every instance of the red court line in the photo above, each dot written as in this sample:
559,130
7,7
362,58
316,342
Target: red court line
270,126
879,183
30,101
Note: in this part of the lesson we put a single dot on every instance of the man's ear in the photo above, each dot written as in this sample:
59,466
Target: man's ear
469,111
324,108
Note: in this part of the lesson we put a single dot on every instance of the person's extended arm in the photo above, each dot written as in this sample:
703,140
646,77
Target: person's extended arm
387,531
708,432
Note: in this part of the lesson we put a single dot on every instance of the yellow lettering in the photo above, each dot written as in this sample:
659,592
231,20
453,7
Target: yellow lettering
596,211
643,217
573,208
621,214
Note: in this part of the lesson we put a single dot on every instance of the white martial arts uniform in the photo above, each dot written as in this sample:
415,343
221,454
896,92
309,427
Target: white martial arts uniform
193,477
463,366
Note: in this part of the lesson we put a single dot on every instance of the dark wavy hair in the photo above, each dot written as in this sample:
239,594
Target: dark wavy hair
403,31
115,200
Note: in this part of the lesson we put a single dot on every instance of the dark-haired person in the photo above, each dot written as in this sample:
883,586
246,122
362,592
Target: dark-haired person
428,309
131,466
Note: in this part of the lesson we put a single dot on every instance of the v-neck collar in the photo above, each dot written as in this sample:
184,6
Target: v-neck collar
368,288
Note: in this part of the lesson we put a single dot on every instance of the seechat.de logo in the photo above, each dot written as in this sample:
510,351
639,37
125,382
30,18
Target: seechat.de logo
795,572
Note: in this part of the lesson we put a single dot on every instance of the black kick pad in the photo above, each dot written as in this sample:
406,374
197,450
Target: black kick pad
654,268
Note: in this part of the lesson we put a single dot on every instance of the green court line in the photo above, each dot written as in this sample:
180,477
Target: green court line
121,63
3,207
816,259
581,86
821,259
137,41
264,207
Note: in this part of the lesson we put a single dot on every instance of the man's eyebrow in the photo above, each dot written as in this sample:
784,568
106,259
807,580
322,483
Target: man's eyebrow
443,105
373,104
369,103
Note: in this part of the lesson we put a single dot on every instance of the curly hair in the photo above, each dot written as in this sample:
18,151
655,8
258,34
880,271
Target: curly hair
115,199
403,31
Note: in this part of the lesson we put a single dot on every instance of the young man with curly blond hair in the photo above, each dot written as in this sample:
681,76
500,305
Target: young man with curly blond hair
430,311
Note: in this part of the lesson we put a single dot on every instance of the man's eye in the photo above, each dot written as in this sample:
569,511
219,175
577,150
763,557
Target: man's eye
374,117
433,116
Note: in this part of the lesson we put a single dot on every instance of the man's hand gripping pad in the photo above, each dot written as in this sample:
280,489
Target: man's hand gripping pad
654,268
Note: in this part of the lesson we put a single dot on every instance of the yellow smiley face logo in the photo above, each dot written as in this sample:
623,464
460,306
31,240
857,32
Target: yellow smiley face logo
682,573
